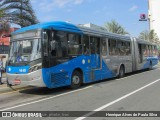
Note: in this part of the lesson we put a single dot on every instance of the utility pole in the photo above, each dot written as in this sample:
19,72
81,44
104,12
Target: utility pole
21,14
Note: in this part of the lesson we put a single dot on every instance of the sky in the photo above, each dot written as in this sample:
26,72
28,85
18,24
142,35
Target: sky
125,12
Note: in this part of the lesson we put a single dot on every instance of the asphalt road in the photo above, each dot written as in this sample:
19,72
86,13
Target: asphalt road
136,92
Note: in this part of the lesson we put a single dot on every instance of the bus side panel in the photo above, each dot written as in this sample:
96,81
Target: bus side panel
149,60
142,61
100,74
155,60
61,74
109,69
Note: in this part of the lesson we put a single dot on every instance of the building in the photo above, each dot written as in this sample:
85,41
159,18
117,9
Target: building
4,44
154,16
6,41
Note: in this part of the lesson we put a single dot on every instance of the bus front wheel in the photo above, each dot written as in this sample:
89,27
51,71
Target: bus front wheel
76,80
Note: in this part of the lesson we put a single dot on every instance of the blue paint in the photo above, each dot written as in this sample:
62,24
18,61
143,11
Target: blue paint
70,66
17,69
152,59
64,26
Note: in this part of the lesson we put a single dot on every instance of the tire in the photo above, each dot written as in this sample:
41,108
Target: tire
150,66
121,72
76,80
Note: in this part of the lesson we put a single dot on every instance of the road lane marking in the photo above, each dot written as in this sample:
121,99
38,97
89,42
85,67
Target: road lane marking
46,98
117,100
65,93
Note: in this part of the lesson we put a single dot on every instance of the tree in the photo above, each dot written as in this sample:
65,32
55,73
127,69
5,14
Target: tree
115,27
1,13
149,36
19,12
4,25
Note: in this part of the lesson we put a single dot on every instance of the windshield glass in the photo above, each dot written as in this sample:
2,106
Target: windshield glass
25,51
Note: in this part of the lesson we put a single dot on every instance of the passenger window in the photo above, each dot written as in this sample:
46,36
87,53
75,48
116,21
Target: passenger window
123,48
128,48
45,43
147,50
74,44
120,47
150,50
155,50
144,50
140,53
104,48
94,45
60,43
112,47
86,45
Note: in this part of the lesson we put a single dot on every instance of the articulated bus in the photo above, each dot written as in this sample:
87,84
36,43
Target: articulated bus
57,54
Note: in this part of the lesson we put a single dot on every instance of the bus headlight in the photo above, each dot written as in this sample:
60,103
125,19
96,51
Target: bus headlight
35,67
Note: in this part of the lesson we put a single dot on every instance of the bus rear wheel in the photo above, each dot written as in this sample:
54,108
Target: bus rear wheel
76,80
121,72
150,66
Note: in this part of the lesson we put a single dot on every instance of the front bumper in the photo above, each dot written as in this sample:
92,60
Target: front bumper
32,79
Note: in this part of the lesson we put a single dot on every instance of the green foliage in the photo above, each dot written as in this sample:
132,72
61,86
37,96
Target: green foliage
115,27
158,48
19,12
1,13
149,36
4,25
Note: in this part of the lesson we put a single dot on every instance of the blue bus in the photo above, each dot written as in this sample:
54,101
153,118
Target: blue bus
57,54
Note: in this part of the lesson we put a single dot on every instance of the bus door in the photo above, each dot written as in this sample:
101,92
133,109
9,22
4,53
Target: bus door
141,60
139,55
45,49
95,52
45,57
50,47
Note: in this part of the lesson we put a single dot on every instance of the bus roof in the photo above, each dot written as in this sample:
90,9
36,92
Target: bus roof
65,26
104,33
145,42
57,25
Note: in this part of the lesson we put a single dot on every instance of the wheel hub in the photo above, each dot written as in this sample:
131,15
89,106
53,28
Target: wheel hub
76,80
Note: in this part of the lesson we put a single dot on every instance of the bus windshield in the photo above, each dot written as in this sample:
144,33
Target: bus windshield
25,51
